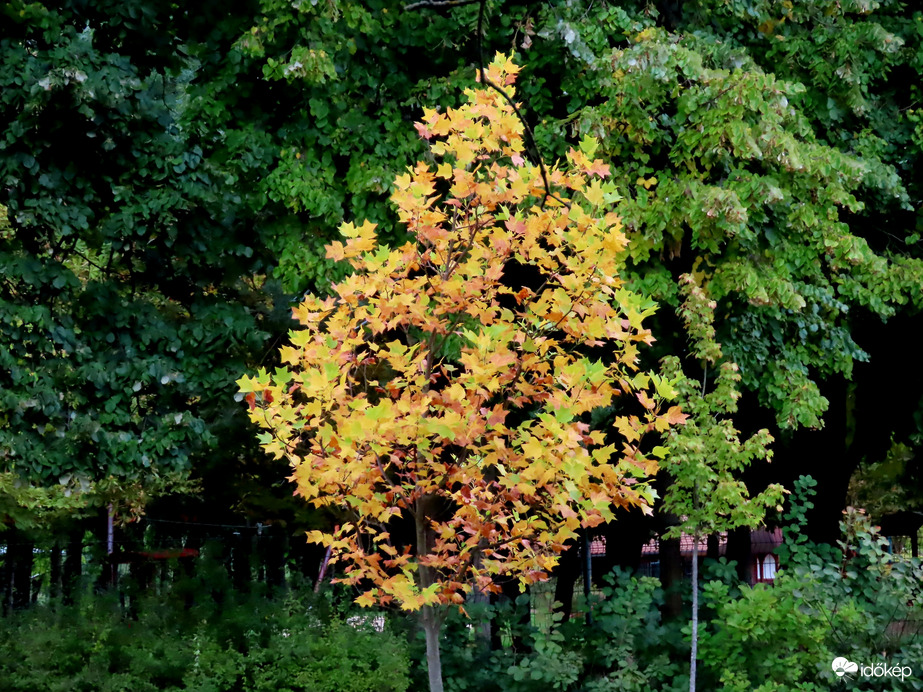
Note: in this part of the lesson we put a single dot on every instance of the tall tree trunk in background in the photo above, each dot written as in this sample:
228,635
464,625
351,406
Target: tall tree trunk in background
566,574
73,565
54,577
671,577
740,550
20,555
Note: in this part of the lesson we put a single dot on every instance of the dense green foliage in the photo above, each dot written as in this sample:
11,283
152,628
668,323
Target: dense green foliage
169,175
777,167
131,289
249,644
856,601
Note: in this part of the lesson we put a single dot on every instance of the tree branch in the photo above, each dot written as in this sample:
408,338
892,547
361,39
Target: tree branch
439,3
534,153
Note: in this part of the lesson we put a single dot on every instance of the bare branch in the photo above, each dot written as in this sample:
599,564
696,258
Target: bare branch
439,3
533,150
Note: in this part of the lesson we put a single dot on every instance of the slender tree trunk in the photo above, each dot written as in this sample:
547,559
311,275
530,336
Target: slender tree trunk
54,578
73,565
430,619
566,577
695,612
19,553
432,624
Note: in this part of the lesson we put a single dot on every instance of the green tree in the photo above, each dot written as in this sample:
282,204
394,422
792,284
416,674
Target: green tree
779,171
133,273
707,455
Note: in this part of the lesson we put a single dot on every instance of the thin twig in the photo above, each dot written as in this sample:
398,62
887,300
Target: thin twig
439,3
530,139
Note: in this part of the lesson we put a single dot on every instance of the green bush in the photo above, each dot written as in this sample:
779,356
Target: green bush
854,600
254,644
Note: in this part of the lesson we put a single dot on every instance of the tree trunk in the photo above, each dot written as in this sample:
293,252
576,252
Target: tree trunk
566,577
73,565
54,578
431,620
671,577
695,612
20,554
432,624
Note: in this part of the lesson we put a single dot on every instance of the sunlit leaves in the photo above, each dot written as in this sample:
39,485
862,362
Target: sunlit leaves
486,443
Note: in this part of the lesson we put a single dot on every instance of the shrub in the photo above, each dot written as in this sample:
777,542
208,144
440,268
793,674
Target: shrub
248,645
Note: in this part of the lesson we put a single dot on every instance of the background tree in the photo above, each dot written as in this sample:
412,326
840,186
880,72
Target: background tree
776,167
705,490
773,167
134,278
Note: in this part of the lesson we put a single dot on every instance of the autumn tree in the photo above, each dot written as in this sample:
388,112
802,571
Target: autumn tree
436,385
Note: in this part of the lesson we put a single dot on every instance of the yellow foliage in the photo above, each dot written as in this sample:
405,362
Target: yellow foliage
433,373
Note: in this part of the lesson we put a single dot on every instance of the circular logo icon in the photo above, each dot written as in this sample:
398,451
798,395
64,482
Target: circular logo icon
841,666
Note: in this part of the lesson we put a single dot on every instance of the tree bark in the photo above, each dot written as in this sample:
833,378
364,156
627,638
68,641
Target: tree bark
54,577
20,553
566,577
671,577
693,655
274,547
73,565
430,619
432,625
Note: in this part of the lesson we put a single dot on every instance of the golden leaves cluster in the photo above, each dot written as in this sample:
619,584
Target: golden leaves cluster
437,380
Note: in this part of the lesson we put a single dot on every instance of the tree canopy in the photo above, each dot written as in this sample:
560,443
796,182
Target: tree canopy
171,177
